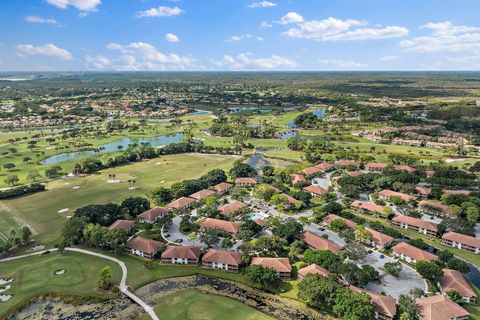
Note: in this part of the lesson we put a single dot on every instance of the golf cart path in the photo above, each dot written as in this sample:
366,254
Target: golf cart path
123,287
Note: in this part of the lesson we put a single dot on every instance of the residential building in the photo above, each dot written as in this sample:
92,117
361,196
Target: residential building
298,180
151,216
313,268
126,225
311,171
324,166
280,265
222,259
385,306
367,207
331,217
232,208
418,225
181,203
439,307
346,164
227,226
449,191
461,241
412,254
405,167
378,240
143,247
376,166
317,242
386,194
222,187
181,255
315,191
246,182
202,194
424,192
434,208
454,280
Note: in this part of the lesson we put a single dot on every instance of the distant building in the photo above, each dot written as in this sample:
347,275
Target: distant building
412,254
461,241
454,280
222,259
418,225
280,265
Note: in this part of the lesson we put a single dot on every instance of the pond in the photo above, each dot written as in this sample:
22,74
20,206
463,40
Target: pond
198,112
114,146
319,113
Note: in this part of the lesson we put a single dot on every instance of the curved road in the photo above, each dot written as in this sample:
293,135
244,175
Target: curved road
123,287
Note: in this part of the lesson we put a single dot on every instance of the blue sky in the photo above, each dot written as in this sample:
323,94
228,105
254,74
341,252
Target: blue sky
207,35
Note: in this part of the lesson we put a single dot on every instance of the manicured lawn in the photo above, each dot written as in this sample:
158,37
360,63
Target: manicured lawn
40,210
35,276
195,305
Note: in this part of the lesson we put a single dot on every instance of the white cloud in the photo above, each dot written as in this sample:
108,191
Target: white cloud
389,58
343,64
138,56
246,61
262,4
35,19
333,29
244,37
170,37
445,36
265,24
291,17
82,5
161,11
49,49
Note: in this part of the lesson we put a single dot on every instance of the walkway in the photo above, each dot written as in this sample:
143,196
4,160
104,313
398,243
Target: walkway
123,286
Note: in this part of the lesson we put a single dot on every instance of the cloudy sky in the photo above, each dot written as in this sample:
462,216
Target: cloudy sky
135,35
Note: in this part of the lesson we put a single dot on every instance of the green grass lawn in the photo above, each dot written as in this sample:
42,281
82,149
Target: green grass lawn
40,210
195,305
35,276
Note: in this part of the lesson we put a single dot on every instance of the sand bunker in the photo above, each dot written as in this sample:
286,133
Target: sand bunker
63,210
60,272
76,187
114,181
5,288
4,281
158,163
132,188
5,297
163,181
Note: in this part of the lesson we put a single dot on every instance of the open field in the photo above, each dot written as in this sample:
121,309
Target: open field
40,210
35,276
195,305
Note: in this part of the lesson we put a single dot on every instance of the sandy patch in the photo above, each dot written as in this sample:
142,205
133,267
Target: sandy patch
5,297
163,181
49,148
114,181
63,210
453,160
68,217
132,188
4,281
60,272
158,163
76,187
5,289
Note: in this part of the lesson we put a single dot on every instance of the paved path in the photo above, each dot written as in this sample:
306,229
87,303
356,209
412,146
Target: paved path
123,286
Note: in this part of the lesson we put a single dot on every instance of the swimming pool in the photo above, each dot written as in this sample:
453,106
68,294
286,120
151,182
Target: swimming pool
255,216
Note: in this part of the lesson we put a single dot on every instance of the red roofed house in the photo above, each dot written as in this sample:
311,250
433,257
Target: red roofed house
313,268
461,241
355,173
280,265
324,166
418,225
449,191
385,306
152,215
126,225
346,164
232,207
246,182
315,191
143,247
183,202
311,171
376,166
202,194
378,240
317,242
454,280
411,254
423,191
367,207
434,208
223,187
181,255
405,167
227,226
439,307
222,259
386,194
298,180
331,217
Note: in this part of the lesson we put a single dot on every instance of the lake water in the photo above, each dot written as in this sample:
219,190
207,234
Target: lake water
319,113
199,112
114,146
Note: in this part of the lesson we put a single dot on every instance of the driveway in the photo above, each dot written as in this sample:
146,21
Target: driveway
175,234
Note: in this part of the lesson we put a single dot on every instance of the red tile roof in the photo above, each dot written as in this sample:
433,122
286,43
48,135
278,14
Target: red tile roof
144,245
383,304
311,171
313,268
347,163
355,173
413,252
316,190
419,223
380,238
390,193
454,280
180,203
277,264
405,167
324,166
297,178
246,181
232,207
331,217
227,226
439,307
423,190
153,213
449,191
462,238
221,187
435,205
181,252
124,224
318,242
223,256
369,206
202,194
375,165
